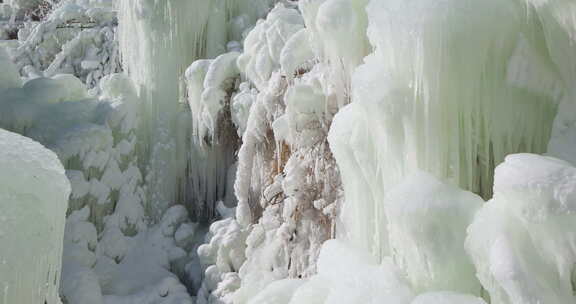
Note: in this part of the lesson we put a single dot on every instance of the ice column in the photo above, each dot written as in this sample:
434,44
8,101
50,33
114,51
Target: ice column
33,201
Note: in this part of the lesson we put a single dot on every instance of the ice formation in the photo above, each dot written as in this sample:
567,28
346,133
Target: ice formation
159,41
433,113
384,124
522,241
34,198
415,106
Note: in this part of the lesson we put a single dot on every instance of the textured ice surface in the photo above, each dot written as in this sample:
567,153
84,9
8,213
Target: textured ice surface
416,106
76,37
522,241
10,78
347,276
159,40
33,199
427,223
446,297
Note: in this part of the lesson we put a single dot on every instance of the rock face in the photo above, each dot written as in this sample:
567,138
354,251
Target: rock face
33,200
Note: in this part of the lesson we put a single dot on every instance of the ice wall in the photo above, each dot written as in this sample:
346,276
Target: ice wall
451,88
33,197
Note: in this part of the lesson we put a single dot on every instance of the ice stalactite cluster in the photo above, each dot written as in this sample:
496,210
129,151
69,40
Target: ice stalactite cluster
213,138
451,104
159,41
31,251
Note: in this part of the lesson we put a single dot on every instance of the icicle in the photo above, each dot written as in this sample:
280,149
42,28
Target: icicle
451,88
159,40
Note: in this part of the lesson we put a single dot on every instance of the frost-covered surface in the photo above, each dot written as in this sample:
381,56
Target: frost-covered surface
34,197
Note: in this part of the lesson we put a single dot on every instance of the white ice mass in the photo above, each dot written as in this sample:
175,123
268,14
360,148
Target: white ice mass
33,197
287,151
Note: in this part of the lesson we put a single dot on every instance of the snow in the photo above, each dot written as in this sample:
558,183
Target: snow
72,35
221,257
297,53
23,5
264,44
208,83
34,197
240,108
414,107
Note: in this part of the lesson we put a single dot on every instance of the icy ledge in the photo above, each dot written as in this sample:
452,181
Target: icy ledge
33,198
